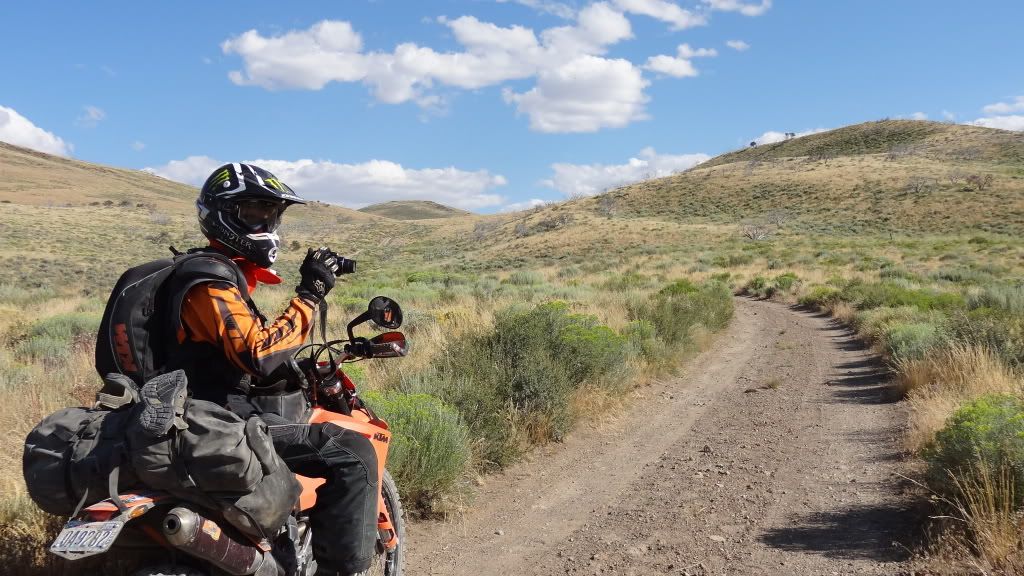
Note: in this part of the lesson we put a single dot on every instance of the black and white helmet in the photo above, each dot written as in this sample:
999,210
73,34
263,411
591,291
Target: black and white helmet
240,206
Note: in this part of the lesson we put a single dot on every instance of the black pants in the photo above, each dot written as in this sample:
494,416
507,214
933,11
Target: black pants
344,519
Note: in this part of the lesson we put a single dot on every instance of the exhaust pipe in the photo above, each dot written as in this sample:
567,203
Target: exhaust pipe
203,538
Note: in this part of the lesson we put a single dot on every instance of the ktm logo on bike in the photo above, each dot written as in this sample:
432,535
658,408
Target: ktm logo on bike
124,349
381,438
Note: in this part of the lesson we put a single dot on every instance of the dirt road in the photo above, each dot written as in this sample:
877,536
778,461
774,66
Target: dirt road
774,453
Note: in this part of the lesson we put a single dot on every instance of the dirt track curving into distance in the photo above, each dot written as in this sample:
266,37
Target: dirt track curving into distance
776,452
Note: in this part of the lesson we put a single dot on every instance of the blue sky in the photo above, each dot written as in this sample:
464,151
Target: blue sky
483,104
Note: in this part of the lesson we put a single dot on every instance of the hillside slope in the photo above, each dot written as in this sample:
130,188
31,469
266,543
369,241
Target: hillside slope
35,178
412,210
878,176
64,216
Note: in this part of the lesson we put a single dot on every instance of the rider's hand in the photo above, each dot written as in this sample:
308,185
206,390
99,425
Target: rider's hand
318,271
360,346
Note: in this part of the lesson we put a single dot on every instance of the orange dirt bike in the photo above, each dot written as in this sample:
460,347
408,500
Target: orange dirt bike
149,533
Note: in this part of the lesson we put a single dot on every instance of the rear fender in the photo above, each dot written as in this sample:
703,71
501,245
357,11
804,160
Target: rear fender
137,503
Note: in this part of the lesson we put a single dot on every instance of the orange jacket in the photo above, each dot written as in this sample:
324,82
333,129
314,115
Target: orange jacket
215,313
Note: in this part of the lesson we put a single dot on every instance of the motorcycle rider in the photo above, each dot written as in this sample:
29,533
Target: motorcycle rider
228,349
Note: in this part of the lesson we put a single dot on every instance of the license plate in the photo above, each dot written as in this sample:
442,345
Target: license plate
80,539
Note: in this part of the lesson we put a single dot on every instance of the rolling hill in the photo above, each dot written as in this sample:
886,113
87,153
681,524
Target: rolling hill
869,180
413,210
877,176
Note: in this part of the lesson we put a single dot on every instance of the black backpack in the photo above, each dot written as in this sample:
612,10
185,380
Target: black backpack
140,322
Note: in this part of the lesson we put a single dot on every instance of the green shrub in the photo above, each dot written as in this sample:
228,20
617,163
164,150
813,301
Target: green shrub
430,447
912,341
642,336
620,282
986,433
19,295
678,308
53,338
865,296
992,328
820,296
513,383
679,288
425,276
524,278
901,273
785,282
757,286
1008,298
591,350
962,276
568,272
68,326
731,260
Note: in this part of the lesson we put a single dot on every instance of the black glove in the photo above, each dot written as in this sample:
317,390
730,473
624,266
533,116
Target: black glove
318,271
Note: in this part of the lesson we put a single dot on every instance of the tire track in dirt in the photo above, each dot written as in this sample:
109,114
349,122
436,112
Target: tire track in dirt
774,453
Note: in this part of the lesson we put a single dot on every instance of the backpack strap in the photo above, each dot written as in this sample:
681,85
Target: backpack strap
112,489
198,267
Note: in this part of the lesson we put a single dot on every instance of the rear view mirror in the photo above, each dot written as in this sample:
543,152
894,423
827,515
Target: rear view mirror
385,312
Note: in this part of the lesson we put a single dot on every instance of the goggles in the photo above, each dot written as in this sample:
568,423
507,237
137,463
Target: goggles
260,215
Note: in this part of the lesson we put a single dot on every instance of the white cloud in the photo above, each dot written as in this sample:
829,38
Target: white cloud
91,117
138,145
918,116
1016,105
584,95
670,12
193,170
671,66
554,8
771,137
525,205
947,115
738,45
744,8
1010,122
610,91
597,27
589,179
685,51
329,51
20,131
358,185
679,66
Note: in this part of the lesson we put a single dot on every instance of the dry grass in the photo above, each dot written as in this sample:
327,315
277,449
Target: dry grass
985,533
935,386
987,509
843,311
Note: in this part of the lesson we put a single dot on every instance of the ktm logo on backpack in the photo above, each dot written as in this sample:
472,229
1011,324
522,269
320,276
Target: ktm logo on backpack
124,349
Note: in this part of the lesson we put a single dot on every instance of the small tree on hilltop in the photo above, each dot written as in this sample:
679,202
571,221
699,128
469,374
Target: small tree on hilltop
918,184
756,232
979,182
606,205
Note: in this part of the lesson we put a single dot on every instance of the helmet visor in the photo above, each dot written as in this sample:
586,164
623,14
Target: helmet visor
260,215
